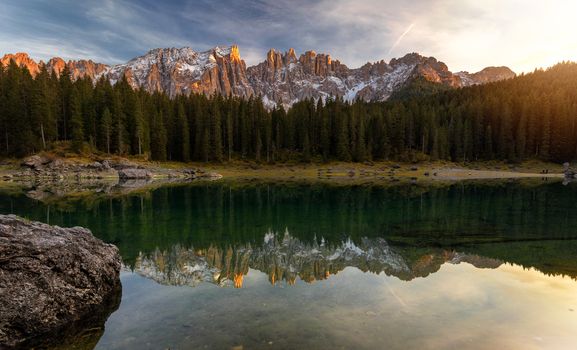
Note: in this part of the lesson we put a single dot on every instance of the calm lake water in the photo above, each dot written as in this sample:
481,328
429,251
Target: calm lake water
221,265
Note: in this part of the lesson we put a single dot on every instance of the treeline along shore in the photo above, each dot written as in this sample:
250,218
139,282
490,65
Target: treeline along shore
532,116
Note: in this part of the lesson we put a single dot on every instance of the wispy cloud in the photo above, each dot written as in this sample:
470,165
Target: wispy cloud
466,34
407,31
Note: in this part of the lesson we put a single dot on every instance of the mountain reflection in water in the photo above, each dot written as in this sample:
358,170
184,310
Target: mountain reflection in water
285,258
464,265
216,232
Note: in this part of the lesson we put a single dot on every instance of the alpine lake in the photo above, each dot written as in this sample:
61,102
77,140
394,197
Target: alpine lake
256,265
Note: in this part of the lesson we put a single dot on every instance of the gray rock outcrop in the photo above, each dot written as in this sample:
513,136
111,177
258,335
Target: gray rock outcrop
54,282
41,167
35,162
133,173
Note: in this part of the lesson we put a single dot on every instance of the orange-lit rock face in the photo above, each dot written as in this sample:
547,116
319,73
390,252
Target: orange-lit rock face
272,277
57,65
235,54
238,278
78,69
154,80
184,71
22,60
491,74
281,78
86,68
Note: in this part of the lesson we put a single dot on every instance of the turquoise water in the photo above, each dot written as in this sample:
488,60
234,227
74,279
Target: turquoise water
224,265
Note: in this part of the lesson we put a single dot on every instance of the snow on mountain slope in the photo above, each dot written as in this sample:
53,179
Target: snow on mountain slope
185,71
282,78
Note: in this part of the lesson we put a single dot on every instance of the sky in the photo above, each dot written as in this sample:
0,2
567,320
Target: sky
465,34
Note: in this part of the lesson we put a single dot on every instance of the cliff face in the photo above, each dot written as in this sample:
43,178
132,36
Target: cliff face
184,71
78,69
22,60
282,78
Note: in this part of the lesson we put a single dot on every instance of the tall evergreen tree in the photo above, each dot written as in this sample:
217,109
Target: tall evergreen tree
76,121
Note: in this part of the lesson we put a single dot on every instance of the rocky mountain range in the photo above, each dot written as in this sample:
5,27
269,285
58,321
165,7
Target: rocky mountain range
282,78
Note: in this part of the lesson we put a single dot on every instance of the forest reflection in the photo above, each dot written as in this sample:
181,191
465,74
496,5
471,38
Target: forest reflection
217,232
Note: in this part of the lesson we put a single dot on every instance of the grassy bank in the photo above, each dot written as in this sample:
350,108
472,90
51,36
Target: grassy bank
331,171
382,170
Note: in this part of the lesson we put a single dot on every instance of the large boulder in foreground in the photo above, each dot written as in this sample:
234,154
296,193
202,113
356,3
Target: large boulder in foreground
55,283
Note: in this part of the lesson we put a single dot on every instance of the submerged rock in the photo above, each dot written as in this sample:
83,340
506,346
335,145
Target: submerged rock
55,283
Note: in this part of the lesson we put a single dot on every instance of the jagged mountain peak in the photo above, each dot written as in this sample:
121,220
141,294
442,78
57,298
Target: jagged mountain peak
18,56
186,51
414,58
487,75
283,77
184,71
22,59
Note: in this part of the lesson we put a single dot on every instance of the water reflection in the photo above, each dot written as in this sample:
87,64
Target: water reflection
290,231
468,265
284,258
201,215
460,306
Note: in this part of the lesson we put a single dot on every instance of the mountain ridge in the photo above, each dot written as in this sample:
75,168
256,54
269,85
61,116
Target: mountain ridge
283,77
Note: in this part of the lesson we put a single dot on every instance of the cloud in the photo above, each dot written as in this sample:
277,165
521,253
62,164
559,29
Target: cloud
466,34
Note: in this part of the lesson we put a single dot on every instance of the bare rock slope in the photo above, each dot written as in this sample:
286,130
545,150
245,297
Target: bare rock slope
283,78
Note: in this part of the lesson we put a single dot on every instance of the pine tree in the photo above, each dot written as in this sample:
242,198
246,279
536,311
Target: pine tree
158,140
489,153
205,148
216,131
140,129
65,89
76,121
229,134
182,121
118,125
342,137
545,142
325,139
521,138
41,109
106,129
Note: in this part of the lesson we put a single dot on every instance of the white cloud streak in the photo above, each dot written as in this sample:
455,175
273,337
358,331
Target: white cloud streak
407,31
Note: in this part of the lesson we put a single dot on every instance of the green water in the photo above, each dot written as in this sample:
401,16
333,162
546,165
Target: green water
222,265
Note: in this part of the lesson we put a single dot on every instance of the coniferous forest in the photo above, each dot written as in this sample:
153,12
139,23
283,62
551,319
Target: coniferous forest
531,116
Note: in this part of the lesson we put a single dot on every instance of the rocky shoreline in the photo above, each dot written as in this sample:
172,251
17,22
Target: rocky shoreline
55,284
55,169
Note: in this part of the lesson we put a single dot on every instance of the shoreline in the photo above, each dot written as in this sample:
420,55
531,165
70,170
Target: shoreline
385,171
83,169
